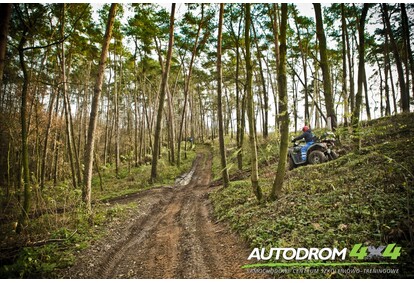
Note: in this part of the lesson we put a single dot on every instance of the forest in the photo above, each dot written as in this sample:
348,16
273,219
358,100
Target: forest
101,102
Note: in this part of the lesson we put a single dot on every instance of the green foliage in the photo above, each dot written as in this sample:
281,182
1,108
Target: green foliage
38,262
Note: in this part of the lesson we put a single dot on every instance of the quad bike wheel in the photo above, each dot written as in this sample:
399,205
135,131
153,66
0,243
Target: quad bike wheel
316,157
334,155
291,163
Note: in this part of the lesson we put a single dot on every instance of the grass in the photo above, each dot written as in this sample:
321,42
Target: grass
365,196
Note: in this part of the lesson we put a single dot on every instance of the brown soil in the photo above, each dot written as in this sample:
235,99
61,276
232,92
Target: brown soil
172,235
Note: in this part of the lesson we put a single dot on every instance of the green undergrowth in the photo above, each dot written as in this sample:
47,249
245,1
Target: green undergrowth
267,153
134,179
51,240
365,196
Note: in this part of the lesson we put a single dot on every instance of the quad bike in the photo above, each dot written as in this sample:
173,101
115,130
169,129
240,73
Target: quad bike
319,152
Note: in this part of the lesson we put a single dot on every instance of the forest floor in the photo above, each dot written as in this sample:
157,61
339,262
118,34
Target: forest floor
172,235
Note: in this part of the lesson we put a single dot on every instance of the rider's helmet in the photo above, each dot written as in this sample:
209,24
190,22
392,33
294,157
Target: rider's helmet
305,128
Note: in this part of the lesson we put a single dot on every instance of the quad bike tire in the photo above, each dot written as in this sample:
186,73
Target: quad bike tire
291,164
333,155
316,157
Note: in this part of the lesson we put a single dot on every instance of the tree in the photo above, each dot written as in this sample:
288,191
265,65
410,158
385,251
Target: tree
407,41
163,91
324,63
194,52
237,15
344,70
23,121
304,51
5,12
90,145
361,66
405,98
225,172
250,110
27,33
283,109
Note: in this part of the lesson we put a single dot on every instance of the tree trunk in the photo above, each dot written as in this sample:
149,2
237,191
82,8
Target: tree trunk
171,128
275,30
239,131
327,83
406,35
303,53
351,72
116,117
5,13
90,145
46,143
344,70
224,171
361,67
386,71
367,108
284,115
250,111
163,90
405,98
187,85
66,103
25,153
262,79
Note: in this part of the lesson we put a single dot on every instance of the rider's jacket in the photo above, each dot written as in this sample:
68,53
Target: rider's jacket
308,136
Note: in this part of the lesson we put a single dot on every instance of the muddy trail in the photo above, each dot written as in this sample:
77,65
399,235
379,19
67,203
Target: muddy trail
172,235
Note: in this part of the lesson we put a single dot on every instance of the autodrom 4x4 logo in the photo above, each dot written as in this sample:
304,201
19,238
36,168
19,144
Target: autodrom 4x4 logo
294,257
371,252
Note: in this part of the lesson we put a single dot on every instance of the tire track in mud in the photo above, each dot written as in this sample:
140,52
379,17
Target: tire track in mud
174,236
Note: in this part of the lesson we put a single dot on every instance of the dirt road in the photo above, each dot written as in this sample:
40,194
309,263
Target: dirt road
173,235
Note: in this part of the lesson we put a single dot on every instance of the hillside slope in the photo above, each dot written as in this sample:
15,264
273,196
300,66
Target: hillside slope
365,196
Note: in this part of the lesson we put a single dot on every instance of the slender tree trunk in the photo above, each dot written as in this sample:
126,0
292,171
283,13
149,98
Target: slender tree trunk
5,13
136,138
361,76
405,98
295,101
383,87
344,69
387,89
361,67
46,143
250,111
275,30
187,85
224,171
25,152
171,128
68,128
239,131
163,90
262,79
89,148
171,120
303,52
406,35
327,83
284,115
351,72
367,108
116,117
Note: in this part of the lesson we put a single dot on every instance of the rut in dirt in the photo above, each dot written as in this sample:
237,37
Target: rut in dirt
175,236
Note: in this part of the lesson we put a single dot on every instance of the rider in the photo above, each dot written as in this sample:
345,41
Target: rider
309,139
